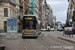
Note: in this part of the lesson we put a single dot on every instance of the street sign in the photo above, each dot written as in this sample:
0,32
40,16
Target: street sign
12,25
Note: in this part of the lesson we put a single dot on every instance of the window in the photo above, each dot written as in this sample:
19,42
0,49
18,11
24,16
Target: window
5,12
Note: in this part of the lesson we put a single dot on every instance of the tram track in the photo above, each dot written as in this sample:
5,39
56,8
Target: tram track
28,46
49,40
58,44
42,45
50,43
53,43
25,47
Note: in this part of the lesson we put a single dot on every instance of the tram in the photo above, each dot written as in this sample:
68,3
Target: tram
31,26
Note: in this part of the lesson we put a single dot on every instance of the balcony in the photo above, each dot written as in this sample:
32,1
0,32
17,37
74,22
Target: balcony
10,1
4,0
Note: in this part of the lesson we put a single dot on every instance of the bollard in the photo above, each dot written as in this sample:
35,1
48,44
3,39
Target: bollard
72,35
2,47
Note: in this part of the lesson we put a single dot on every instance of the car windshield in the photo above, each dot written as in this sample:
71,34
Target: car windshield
52,28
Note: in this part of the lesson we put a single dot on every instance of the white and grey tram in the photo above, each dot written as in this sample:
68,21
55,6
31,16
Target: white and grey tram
31,26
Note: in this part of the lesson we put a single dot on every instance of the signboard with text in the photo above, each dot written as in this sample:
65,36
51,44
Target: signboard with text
12,25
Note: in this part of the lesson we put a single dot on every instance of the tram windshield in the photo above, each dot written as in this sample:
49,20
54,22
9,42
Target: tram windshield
29,23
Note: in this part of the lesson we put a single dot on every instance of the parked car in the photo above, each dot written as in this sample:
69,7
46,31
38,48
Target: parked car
48,28
68,30
43,29
52,29
60,29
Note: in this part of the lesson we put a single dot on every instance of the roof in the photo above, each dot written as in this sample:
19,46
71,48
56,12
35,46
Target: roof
49,6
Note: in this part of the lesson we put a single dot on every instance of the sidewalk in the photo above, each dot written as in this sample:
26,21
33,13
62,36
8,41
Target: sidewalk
66,38
12,44
69,39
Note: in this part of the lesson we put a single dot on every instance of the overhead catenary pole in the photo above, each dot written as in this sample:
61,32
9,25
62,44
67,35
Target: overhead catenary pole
32,7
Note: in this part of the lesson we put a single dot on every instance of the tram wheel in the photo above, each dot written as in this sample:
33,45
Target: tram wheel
22,37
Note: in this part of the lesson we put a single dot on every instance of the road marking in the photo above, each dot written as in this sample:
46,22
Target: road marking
25,45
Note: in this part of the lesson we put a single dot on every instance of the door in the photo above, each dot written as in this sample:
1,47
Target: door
5,26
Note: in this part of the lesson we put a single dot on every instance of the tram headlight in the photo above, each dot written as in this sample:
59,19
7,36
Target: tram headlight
34,30
22,30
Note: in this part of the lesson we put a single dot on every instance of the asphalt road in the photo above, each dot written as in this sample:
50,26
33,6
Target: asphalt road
45,41
48,41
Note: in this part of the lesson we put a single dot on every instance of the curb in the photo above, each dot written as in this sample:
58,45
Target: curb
2,47
72,41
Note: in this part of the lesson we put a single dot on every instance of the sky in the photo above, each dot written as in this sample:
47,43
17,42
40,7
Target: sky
59,8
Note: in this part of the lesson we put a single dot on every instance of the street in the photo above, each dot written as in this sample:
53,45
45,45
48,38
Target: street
51,22
45,41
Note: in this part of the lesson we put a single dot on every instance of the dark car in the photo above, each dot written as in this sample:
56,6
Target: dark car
60,29
69,31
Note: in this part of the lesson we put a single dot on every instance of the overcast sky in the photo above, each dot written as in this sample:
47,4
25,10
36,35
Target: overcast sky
59,8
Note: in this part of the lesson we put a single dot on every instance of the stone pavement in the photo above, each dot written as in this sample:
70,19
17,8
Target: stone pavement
12,44
17,44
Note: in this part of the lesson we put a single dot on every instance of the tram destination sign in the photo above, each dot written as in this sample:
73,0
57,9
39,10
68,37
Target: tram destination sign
12,25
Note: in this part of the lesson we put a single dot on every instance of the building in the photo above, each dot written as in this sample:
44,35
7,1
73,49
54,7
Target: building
40,10
54,21
70,12
50,15
7,11
24,8
59,25
43,16
46,15
34,7
17,8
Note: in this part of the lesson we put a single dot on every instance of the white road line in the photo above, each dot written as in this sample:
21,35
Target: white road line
25,45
